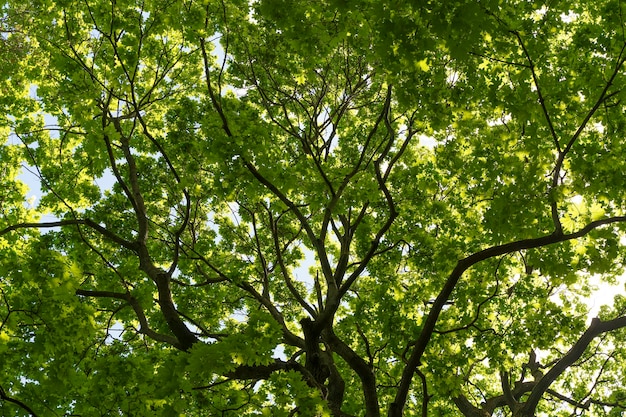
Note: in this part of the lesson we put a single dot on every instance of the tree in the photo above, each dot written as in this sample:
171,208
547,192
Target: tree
311,208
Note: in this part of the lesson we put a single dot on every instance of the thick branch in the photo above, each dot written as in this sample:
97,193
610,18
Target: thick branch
362,369
176,325
596,328
259,372
488,407
396,408
289,336
425,396
506,389
87,222
467,408
23,406
141,316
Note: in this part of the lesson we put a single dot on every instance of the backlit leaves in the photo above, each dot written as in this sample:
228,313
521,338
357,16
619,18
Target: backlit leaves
310,208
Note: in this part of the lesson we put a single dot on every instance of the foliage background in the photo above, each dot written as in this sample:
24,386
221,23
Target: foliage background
455,170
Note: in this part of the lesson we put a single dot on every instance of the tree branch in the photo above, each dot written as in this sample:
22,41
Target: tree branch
138,309
542,101
87,222
5,397
596,328
396,408
362,369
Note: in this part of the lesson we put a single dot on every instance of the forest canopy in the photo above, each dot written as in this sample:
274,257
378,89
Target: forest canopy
311,208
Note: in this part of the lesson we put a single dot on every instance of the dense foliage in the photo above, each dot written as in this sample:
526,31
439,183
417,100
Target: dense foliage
311,208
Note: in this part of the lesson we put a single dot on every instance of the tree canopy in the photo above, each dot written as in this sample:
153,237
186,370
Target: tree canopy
311,208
